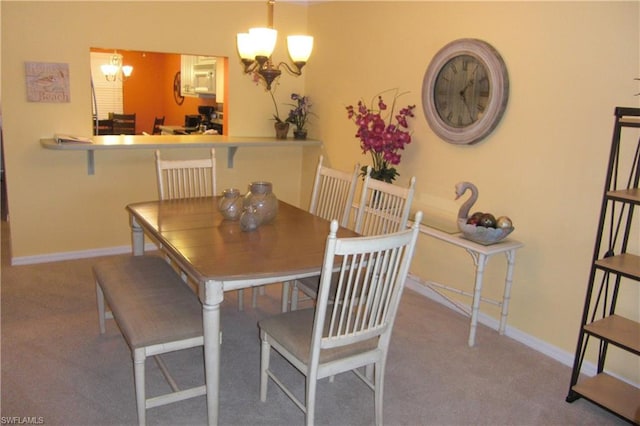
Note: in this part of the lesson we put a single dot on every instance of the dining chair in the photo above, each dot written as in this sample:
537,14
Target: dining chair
124,124
331,198
383,208
186,178
104,127
157,122
352,332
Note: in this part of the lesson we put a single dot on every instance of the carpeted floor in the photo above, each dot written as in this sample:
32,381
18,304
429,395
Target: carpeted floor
58,370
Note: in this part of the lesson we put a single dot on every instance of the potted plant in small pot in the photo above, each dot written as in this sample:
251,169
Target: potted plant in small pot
281,126
299,114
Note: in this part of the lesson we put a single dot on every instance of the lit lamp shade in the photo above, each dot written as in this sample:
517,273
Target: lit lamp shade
109,69
300,47
127,70
245,48
263,41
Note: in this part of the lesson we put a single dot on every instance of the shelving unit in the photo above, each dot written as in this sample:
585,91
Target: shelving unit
612,268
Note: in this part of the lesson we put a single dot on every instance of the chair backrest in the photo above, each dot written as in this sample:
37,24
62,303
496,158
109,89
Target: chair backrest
333,192
383,207
157,122
124,124
372,275
104,127
186,178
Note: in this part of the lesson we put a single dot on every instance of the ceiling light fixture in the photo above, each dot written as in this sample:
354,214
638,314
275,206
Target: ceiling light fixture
115,70
256,46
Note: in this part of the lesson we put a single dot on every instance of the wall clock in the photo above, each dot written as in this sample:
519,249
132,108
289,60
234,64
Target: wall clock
465,91
177,89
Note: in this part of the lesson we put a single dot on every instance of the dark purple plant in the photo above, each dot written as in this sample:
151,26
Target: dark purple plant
300,112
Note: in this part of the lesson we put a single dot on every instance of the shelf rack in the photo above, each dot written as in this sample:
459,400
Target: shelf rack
612,267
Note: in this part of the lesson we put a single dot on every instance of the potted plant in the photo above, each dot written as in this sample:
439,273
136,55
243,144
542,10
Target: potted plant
281,126
382,133
299,114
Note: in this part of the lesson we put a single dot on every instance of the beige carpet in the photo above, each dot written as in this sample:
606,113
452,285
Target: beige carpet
57,368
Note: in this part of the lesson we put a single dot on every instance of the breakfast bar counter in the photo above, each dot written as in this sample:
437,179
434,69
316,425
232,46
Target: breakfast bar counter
232,143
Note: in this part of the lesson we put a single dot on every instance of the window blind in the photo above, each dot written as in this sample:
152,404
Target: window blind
108,94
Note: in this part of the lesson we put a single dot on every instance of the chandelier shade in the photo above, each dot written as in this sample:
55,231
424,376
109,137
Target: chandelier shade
256,47
115,69
300,47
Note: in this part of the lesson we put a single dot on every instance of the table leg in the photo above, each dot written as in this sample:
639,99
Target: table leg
137,238
511,261
212,298
481,261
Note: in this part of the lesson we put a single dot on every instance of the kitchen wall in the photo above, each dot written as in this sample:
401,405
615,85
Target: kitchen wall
570,64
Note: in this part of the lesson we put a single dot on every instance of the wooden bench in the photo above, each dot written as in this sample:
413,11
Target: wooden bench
156,312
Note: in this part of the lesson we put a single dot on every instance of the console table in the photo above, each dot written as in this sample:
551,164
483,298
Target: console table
171,141
480,255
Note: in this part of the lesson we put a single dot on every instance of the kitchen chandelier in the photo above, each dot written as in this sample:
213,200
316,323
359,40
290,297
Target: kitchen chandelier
114,70
256,46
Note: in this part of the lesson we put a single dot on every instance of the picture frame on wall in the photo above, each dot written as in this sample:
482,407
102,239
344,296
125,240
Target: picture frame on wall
47,82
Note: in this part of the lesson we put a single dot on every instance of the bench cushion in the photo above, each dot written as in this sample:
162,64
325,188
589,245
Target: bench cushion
149,301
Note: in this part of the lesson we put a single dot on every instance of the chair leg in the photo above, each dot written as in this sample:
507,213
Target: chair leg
378,391
254,296
310,403
101,314
264,366
241,300
368,371
294,297
138,371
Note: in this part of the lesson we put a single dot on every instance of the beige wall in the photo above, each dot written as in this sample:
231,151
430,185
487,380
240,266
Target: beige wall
570,65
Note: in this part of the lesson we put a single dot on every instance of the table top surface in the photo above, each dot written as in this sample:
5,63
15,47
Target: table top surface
195,234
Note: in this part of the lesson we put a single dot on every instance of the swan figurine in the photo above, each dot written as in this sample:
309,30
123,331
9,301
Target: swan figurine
478,234
461,188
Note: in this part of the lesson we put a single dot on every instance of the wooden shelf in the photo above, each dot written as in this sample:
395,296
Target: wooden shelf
618,330
625,195
612,394
232,143
625,264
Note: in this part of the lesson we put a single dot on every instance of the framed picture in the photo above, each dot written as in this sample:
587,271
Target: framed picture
47,82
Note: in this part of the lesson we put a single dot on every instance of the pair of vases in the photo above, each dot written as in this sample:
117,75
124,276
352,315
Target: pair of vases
255,208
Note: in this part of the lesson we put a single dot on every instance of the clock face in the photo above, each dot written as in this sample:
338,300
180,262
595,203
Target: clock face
462,91
465,91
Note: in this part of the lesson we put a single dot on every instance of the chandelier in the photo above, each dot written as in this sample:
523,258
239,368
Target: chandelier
256,46
114,70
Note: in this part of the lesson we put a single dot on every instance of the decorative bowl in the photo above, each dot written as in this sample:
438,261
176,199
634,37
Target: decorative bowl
483,235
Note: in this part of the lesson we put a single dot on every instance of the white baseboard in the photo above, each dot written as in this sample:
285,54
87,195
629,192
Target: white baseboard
422,287
81,254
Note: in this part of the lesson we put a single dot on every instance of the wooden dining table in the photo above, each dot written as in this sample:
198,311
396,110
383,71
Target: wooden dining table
217,255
